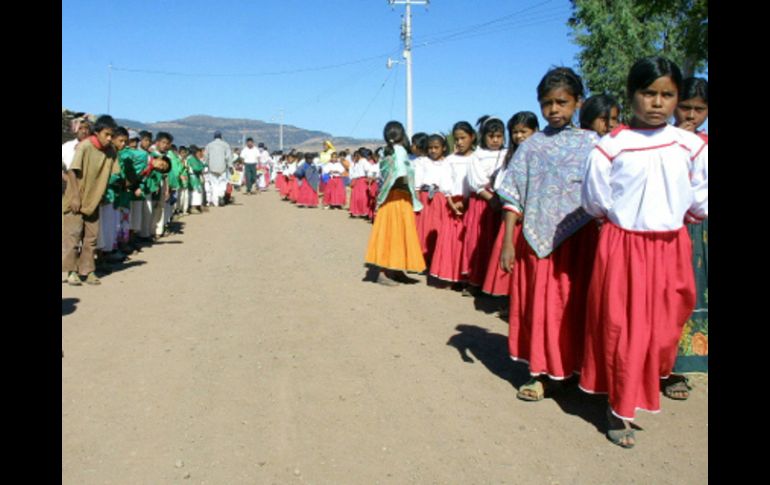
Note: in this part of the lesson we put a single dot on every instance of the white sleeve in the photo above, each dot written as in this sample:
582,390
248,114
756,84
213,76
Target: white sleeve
419,172
477,179
596,192
699,179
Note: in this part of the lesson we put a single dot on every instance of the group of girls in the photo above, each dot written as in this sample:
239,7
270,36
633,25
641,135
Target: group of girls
303,180
592,240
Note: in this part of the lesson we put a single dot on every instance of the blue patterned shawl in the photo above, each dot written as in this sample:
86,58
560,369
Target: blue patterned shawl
543,181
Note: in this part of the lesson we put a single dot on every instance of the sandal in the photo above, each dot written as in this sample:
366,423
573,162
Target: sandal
619,436
532,391
677,388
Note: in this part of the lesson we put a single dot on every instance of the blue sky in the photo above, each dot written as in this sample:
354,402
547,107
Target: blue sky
250,59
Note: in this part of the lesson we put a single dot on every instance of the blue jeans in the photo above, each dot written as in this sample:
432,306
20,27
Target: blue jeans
250,172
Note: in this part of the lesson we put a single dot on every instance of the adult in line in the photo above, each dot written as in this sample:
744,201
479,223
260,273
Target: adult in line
219,158
250,156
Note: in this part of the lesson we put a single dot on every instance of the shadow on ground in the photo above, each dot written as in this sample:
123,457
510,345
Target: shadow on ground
491,349
68,305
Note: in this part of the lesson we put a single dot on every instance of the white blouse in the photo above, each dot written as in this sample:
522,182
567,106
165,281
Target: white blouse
371,170
483,166
335,169
357,169
454,181
648,180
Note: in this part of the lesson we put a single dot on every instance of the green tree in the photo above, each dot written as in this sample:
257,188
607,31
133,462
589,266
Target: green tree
613,34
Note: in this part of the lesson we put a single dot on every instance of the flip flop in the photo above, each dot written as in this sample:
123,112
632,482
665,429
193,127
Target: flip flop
677,384
534,386
617,436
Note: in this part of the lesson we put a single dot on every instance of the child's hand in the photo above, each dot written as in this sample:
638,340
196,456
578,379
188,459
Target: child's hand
460,206
138,192
506,258
75,205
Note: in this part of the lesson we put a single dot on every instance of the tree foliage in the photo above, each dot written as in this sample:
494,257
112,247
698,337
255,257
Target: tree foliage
613,34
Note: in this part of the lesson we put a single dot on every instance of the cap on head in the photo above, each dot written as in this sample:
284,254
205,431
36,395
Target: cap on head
217,134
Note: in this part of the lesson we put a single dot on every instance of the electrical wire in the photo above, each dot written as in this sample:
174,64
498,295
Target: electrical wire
379,90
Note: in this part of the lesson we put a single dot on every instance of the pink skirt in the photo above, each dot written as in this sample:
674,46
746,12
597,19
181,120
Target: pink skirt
481,224
359,206
293,189
497,282
641,294
447,257
548,304
280,184
307,196
335,192
373,190
433,214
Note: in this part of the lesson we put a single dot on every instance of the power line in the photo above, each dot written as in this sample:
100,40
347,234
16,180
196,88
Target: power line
379,90
257,74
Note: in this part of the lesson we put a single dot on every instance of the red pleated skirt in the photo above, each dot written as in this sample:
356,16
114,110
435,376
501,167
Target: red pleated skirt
267,178
548,304
447,258
372,201
481,224
642,291
496,281
280,184
334,194
359,204
307,196
293,189
433,213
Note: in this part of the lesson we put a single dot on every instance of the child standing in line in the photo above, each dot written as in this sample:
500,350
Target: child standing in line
448,255
551,261
600,113
373,176
334,195
109,215
358,186
645,181
497,282
308,178
482,219
158,211
690,113
419,148
434,203
393,244
183,194
87,177
195,173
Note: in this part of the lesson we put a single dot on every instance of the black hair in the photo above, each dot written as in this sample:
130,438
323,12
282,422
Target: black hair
310,156
695,87
526,118
598,106
173,147
645,71
249,139
168,163
395,134
119,131
193,149
145,134
183,148
467,128
487,124
560,77
420,140
365,152
103,122
163,135
441,139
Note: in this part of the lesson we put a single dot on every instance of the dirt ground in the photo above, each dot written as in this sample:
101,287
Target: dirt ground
247,349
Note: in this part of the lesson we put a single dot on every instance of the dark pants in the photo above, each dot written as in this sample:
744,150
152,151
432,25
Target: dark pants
74,229
250,171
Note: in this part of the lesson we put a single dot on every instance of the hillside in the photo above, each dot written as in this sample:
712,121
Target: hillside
199,130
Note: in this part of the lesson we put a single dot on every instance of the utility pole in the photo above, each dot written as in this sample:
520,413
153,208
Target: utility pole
406,35
280,132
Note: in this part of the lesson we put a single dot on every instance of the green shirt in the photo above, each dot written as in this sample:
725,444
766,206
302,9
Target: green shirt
392,168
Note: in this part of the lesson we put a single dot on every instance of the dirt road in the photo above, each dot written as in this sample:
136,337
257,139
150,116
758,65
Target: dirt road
248,350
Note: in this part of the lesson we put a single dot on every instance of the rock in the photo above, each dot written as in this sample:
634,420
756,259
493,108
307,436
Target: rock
297,472
186,475
179,464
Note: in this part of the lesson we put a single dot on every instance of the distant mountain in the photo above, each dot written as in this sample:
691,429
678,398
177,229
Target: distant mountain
199,130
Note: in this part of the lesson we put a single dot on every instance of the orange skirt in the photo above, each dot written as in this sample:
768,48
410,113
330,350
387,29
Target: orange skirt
393,243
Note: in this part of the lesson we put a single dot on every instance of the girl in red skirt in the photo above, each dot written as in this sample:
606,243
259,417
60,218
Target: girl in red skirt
482,219
552,258
497,282
419,157
359,205
447,258
434,203
644,181
293,191
309,178
334,193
